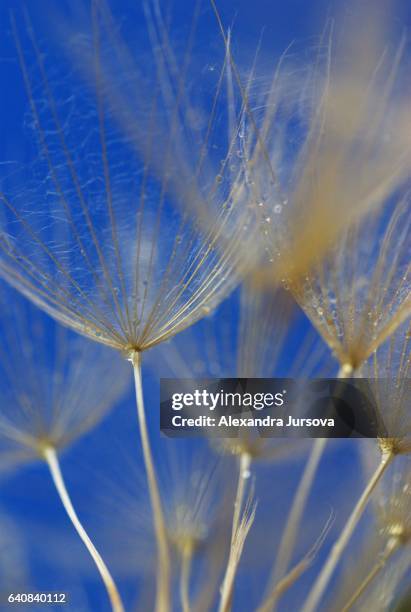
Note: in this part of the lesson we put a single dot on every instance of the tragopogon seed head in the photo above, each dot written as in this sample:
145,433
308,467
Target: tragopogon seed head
361,292
103,239
389,372
54,385
394,507
248,337
197,490
351,163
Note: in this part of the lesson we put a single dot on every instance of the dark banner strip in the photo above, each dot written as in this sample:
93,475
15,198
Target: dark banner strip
272,407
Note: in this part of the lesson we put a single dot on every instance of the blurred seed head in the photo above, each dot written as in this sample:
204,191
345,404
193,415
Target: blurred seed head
360,293
252,335
394,508
335,217
389,372
197,489
54,385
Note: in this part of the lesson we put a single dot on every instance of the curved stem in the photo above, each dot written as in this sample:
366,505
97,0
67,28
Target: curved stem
294,574
327,571
163,575
392,546
289,536
288,539
185,579
282,585
244,473
299,502
229,576
51,459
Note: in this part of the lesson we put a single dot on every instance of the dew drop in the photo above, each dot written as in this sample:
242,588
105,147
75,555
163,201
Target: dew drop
246,474
277,209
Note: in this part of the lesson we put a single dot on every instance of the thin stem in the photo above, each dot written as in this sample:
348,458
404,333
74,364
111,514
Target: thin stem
327,571
298,505
163,574
288,539
185,578
50,457
392,546
294,574
229,577
282,585
299,502
244,473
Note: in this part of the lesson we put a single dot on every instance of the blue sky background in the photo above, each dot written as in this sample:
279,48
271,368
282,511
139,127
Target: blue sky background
55,559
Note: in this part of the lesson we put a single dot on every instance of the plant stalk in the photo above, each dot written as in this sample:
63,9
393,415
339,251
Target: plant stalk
334,556
392,546
185,578
282,585
299,502
51,459
229,577
163,574
289,536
